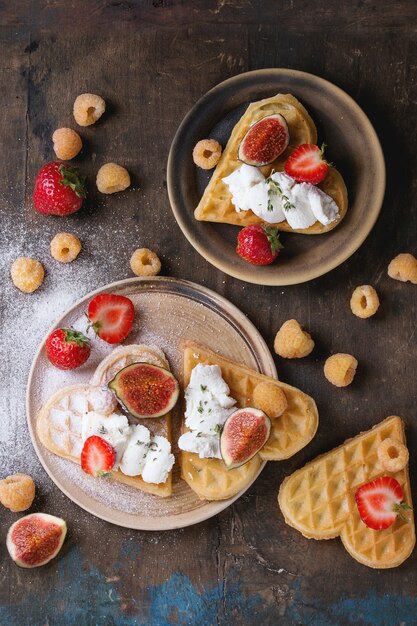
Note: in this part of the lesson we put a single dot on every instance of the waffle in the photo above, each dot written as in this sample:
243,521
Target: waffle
319,499
209,478
216,203
59,421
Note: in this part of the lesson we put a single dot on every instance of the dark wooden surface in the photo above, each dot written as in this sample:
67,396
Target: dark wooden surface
151,61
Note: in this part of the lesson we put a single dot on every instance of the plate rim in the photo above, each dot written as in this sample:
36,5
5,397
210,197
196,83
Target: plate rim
227,267
208,510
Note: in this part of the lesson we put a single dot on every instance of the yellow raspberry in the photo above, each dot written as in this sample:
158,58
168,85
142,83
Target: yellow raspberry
270,398
67,143
292,342
112,178
144,262
27,274
364,301
404,268
340,369
17,492
65,247
207,153
88,108
392,454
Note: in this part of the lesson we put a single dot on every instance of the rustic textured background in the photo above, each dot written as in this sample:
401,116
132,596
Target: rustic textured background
151,61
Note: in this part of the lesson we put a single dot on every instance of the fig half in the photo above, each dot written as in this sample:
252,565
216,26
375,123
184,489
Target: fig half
145,390
35,539
265,141
244,433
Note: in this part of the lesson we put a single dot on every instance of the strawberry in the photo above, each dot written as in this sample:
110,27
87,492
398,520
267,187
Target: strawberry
111,316
306,164
59,189
380,501
67,348
97,456
259,244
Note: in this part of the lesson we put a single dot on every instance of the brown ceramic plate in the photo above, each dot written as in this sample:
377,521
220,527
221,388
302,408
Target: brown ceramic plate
167,310
353,147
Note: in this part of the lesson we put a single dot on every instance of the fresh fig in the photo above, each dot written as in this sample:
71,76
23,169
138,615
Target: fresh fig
264,141
145,390
35,539
244,433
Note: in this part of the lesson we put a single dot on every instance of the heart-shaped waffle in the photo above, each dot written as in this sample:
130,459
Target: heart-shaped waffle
59,422
290,432
319,499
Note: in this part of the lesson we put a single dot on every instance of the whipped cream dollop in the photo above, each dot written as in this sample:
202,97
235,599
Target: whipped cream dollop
280,198
208,405
137,451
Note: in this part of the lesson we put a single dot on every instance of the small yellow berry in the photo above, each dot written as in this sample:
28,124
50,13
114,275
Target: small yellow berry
27,274
144,262
67,143
65,247
207,153
404,268
112,178
17,492
292,342
364,301
392,454
88,108
270,398
340,369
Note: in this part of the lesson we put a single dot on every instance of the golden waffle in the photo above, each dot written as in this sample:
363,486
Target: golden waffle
319,499
216,203
59,421
290,432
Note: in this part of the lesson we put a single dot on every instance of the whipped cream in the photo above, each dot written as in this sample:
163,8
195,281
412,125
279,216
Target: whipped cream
137,451
280,198
208,405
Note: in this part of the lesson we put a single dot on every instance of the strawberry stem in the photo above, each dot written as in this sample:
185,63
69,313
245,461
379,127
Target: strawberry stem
72,178
273,238
74,335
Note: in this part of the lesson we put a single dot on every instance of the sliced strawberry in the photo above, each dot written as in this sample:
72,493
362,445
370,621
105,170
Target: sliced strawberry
97,456
380,501
306,164
111,316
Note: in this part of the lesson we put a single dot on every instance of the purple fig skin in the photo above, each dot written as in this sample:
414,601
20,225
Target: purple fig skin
46,546
247,148
257,441
133,399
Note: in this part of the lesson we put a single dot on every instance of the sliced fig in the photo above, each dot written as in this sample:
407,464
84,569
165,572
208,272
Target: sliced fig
35,539
244,433
264,141
145,390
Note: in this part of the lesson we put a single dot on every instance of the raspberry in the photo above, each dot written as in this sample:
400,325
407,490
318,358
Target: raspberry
144,262
364,301
65,247
88,108
392,454
112,178
270,399
340,369
67,143
17,492
404,268
207,153
27,274
292,342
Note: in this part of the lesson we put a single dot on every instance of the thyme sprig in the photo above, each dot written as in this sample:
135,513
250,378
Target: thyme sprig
274,188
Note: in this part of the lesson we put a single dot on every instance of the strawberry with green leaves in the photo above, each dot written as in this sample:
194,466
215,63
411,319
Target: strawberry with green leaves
380,502
258,244
59,189
67,348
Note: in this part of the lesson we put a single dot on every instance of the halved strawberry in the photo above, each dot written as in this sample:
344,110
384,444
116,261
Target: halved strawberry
306,164
111,316
97,456
380,501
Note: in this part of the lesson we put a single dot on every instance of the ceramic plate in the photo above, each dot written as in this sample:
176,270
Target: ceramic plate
353,147
167,310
